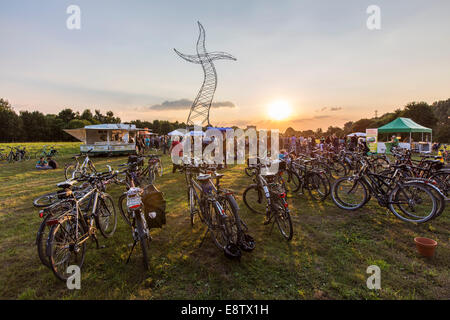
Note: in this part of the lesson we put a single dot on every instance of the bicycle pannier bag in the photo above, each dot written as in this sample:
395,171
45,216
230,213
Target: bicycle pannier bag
153,200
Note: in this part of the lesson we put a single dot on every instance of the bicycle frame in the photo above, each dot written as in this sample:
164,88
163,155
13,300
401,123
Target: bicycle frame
80,216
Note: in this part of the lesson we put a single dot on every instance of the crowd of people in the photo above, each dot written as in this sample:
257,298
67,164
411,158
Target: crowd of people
300,144
156,142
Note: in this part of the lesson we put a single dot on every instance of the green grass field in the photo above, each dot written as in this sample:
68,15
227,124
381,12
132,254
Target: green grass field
327,258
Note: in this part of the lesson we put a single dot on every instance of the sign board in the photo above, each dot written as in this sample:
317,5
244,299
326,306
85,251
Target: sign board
372,139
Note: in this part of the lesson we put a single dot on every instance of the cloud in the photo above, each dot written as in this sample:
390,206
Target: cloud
331,109
183,104
310,119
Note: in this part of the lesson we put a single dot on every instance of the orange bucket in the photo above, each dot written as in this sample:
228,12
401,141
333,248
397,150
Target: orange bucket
425,246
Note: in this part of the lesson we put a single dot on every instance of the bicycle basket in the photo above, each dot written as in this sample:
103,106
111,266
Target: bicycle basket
153,200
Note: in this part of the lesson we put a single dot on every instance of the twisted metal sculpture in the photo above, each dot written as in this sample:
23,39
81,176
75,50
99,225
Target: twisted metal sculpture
199,114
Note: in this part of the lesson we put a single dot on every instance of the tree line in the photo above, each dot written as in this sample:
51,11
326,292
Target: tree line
32,126
434,116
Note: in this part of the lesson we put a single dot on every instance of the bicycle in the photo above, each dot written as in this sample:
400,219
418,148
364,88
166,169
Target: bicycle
74,170
137,208
217,209
53,152
310,178
402,197
267,196
154,168
71,228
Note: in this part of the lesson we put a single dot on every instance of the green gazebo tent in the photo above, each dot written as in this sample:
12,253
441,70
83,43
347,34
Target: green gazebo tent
404,125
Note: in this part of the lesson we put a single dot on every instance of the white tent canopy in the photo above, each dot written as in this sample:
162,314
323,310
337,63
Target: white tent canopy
176,132
182,132
358,134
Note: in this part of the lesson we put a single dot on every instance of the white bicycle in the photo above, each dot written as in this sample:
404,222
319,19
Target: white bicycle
76,170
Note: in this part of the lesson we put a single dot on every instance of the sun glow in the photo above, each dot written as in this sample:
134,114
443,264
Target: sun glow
279,110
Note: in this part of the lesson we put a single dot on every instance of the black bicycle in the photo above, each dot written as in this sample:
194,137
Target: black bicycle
410,201
268,196
217,209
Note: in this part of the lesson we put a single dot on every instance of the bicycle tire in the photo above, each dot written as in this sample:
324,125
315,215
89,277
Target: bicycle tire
316,185
161,168
124,210
193,205
291,181
69,171
260,198
337,199
60,272
98,221
393,198
282,215
143,239
48,199
42,241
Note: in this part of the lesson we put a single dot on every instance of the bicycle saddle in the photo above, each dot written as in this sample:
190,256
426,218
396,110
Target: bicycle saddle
66,184
203,177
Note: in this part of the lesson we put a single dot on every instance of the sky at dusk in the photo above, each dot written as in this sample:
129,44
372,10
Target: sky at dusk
317,57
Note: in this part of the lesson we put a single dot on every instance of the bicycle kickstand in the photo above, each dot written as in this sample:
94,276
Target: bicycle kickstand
94,237
204,237
131,251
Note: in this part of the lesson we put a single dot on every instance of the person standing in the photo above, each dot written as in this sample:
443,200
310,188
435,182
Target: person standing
293,143
164,142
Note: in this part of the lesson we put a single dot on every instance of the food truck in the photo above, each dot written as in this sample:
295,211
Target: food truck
108,138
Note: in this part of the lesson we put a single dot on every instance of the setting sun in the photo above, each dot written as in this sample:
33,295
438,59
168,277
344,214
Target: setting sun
279,110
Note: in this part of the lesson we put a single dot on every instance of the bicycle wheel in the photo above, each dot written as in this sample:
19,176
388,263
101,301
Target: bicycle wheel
44,230
338,169
442,179
193,205
225,225
316,186
160,168
41,241
291,181
380,164
413,202
321,166
106,217
63,247
71,172
255,199
282,218
348,193
143,238
46,200
123,208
